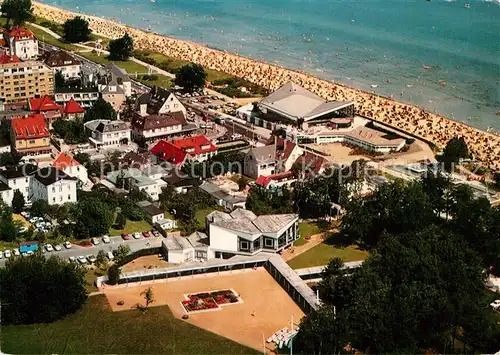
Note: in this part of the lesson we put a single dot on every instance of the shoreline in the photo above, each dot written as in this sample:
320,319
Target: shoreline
435,128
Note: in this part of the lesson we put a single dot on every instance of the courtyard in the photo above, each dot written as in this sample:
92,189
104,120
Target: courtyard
248,322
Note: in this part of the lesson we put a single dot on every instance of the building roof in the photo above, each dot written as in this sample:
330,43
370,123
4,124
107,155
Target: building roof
152,210
273,222
284,148
18,171
172,242
264,154
168,152
64,161
107,126
73,107
5,58
152,122
243,213
43,104
218,216
30,127
367,135
20,33
117,72
59,58
179,181
135,159
49,175
3,186
175,151
310,162
294,102
198,240
154,99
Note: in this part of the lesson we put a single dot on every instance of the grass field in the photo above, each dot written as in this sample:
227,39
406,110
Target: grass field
97,330
306,229
201,215
322,253
132,227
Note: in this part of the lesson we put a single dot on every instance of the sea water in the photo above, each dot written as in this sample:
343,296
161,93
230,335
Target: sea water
374,45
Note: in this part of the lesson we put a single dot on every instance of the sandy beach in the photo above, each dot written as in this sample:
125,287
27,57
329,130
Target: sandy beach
483,146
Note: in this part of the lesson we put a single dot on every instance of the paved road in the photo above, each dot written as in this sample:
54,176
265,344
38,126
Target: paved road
76,250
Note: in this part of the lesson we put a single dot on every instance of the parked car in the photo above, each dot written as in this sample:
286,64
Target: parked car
94,241
72,259
137,235
495,305
110,255
67,245
91,258
106,239
156,233
7,254
16,252
82,259
49,247
146,234
126,236
58,247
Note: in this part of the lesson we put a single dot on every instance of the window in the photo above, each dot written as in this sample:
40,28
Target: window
256,244
244,245
53,189
268,242
60,198
69,197
53,199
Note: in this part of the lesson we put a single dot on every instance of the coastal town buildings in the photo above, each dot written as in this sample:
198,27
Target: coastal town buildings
22,43
194,247
241,232
85,97
114,76
134,178
159,101
46,107
108,134
177,151
30,136
53,186
72,110
16,178
20,80
229,200
70,166
63,62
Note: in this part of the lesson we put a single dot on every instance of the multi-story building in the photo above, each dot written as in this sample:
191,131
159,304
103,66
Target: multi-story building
47,107
158,101
113,93
134,178
116,76
107,134
22,43
62,61
85,97
30,136
53,185
16,178
20,81
69,165
72,110
177,151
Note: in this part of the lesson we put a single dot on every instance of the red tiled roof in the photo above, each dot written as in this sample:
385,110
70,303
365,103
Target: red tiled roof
5,59
284,148
43,104
263,180
19,32
30,127
73,107
198,144
169,152
63,161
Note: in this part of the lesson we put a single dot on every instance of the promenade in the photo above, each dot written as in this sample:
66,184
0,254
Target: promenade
483,146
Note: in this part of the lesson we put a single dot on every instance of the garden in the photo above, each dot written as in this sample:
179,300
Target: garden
209,301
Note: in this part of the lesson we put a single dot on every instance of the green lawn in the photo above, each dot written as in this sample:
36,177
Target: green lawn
132,227
97,330
201,215
322,253
306,229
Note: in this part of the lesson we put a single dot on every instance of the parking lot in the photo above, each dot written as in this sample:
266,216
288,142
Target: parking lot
82,254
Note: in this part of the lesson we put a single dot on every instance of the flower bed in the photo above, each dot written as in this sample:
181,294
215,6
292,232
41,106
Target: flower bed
209,301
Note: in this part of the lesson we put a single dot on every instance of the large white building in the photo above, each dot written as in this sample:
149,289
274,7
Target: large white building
17,178
108,134
54,186
180,249
63,62
72,167
22,43
242,232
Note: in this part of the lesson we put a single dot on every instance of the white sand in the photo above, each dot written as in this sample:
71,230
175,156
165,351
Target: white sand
437,129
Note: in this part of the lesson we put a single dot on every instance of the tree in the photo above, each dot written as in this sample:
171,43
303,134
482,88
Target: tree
121,252
9,158
17,11
455,149
72,131
40,290
121,48
102,110
120,221
242,183
191,77
93,218
59,79
114,274
76,30
8,227
39,208
101,259
18,201
148,296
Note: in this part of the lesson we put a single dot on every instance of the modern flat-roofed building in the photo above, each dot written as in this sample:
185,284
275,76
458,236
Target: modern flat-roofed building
85,97
20,81
242,232
64,62
293,104
30,136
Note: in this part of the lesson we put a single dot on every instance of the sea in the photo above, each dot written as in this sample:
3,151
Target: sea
442,55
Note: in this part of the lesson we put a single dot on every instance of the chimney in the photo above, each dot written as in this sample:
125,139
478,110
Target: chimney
143,109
